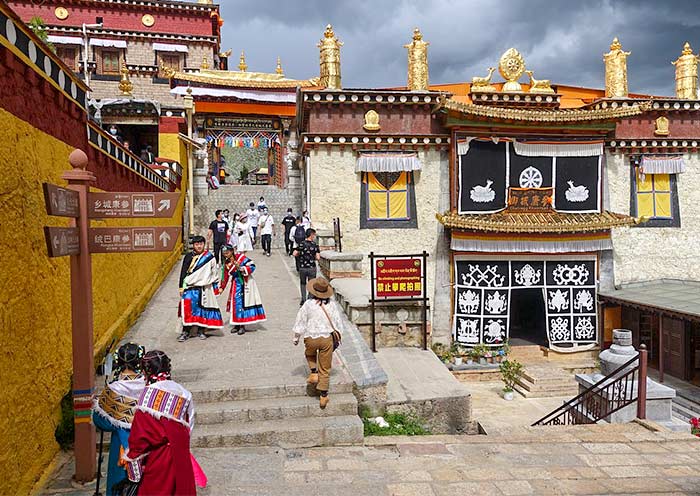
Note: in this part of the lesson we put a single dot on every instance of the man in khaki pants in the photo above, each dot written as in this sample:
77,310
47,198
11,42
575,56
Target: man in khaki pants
315,322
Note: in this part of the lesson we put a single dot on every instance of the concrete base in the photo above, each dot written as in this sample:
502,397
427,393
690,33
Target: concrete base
325,239
200,187
420,385
336,265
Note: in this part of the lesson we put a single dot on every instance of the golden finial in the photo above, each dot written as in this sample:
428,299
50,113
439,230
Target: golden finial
126,87
279,67
687,74
205,63
167,71
483,84
539,85
330,59
511,66
417,62
241,62
616,71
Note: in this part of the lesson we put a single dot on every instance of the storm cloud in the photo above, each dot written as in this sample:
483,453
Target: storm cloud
560,40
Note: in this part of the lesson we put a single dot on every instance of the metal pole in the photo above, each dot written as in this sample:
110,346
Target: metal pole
661,348
425,302
642,383
79,180
371,302
189,110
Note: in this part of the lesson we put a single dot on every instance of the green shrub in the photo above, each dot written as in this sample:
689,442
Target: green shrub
399,425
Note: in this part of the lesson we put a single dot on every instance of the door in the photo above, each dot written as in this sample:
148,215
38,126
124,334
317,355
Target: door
674,346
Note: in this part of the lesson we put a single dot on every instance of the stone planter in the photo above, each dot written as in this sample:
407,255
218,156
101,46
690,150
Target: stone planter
508,395
458,360
482,361
470,361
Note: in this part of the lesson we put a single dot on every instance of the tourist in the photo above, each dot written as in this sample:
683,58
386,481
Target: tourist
227,218
261,204
147,155
114,409
243,303
198,306
288,222
297,235
316,321
267,230
244,233
233,237
217,230
305,219
307,253
159,444
253,216
222,175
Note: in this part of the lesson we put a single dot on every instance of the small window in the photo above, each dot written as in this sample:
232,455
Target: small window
387,200
110,61
67,56
169,60
655,197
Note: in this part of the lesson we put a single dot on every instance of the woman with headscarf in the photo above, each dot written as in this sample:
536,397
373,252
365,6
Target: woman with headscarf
245,233
243,303
159,455
114,409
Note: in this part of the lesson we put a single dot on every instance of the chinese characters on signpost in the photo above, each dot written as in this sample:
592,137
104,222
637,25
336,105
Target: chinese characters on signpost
398,277
132,239
107,205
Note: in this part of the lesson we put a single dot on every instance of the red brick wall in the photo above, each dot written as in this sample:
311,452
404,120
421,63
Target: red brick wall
684,124
348,118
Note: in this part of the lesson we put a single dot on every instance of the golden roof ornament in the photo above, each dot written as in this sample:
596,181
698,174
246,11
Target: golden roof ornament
542,86
661,126
616,71
511,66
330,59
126,87
483,84
205,63
687,74
242,66
279,70
417,62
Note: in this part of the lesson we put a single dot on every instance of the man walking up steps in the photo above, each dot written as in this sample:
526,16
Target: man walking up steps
307,253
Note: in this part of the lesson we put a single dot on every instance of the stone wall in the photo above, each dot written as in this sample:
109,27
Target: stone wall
644,253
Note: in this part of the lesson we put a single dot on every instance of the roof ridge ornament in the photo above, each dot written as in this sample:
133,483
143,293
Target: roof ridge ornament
687,74
329,54
417,62
511,66
242,66
616,71
279,70
126,87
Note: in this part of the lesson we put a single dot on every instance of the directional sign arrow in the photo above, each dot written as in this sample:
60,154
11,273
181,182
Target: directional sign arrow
164,204
164,237
56,242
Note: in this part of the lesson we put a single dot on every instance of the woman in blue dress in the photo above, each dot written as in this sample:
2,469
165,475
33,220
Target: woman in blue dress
114,409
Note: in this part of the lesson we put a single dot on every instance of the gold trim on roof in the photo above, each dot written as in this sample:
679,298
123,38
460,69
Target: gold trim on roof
235,79
546,115
536,222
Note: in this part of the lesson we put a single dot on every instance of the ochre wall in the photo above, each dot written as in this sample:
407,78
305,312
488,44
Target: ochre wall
35,343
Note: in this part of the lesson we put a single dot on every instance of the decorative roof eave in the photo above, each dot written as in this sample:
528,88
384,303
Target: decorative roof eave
525,222
373,141
53,29
372,96
230,79
543,116
646,145
657,103
190,6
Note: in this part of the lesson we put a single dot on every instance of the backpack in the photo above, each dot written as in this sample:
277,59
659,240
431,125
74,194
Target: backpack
299,234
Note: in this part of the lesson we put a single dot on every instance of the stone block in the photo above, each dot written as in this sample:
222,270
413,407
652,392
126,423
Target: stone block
336,265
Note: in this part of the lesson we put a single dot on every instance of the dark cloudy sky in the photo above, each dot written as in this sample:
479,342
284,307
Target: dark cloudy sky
561,40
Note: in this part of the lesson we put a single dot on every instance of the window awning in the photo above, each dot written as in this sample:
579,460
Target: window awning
64,40
168,47
558,149
388,162
107,43
670,164
258,96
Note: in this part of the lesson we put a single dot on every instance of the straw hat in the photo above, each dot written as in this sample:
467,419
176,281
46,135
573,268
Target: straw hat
243,216
320,288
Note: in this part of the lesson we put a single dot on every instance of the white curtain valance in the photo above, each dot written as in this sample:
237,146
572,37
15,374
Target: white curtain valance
107,43
463,146
387,162
259,96
549,149
662,165
168,47
64,40
529,246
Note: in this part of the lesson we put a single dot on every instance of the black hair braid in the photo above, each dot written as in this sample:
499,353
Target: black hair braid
128,356
156,366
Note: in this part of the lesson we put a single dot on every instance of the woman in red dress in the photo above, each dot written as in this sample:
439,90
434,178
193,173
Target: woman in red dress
159,442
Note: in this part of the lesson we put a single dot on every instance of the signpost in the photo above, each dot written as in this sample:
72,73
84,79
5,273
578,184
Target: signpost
79,241
398,278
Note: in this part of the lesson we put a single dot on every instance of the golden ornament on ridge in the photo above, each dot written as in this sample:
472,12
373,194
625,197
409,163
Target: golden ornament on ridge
687,74
543,86
616,71
126,87
417,62
483,84
511,66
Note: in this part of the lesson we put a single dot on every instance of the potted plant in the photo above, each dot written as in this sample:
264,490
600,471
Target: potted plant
471,356
489,355
510,372
456,354
480,352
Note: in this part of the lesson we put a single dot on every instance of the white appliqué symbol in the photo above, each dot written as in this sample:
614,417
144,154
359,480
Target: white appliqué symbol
493,331
558,300
584,328
527,275
468,302
576,193
565,275
560,328
495,303
468,331
583,300
530,178
489,276
483,194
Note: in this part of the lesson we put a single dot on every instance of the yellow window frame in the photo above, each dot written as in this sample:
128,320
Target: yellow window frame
394,200
653,195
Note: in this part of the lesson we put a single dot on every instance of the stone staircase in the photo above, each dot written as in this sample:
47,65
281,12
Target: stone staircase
284,415
684,409
527,354
543,381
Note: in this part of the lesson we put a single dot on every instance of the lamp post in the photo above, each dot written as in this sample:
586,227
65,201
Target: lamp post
189,113
86,53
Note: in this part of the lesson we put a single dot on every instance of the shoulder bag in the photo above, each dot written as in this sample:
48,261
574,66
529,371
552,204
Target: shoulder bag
337,338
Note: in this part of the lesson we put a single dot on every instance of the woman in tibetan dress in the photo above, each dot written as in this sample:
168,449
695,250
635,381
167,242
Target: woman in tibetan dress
114,409
243,303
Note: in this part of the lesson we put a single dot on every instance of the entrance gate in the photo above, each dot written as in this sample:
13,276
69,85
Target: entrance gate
483,289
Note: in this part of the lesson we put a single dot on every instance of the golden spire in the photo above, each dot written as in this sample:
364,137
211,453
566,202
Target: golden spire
616,71
241,62
205,63
417,62
279,67
330,59
126,87
687,74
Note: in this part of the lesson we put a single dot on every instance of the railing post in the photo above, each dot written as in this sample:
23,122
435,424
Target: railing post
642,383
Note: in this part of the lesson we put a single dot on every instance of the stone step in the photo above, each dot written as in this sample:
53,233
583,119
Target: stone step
203,393
548,377
683,412
687,403
274,409
286,433
546,393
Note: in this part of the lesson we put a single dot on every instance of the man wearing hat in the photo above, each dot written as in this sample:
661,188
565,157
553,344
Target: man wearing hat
315,323
199,277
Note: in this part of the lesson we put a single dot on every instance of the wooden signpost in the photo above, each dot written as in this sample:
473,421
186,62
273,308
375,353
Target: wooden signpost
80,241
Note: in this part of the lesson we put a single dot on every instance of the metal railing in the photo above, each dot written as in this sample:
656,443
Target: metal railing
610,394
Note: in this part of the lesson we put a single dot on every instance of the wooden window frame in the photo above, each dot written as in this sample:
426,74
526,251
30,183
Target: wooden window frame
73,64
111,52
409,222
163,56
674,220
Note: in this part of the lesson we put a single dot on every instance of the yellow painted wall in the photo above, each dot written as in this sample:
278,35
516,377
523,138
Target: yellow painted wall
169,146
35,325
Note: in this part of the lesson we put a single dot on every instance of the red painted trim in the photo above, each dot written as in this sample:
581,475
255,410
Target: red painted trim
170,125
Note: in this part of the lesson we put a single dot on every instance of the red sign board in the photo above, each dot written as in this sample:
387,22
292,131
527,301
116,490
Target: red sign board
107,205
61,202
132,239
62,241
530,199
398,277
